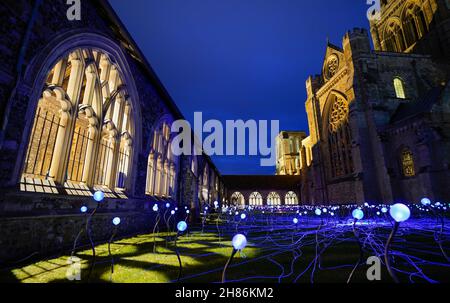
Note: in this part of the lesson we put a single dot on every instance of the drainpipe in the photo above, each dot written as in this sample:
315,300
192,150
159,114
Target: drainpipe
19,69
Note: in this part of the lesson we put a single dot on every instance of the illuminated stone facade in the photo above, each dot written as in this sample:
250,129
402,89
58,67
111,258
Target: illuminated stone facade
288,145
82,110
379,119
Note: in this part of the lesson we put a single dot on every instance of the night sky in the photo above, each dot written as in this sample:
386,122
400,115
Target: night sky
239,59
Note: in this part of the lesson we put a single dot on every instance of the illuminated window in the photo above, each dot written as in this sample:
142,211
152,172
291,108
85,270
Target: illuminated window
162,164
85,87
255,199
291,198
399,88
408,163
237,199
273,199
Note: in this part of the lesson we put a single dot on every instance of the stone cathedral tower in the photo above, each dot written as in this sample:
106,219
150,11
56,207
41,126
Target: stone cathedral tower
379,120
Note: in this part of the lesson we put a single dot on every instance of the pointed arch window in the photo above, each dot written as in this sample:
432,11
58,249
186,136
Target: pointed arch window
162,164
238,199
255,199
273,199
339,137
291,198
75,139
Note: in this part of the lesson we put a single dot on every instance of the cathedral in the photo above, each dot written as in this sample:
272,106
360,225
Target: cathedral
379,120
83,111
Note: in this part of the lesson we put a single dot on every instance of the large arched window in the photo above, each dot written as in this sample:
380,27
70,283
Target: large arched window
399,87
394,38
407,163
339,137
414,24
237,199
83,129
291,198
273,199
255,199
162,164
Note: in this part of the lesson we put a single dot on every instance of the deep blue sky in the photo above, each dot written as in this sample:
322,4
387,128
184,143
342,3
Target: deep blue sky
239,59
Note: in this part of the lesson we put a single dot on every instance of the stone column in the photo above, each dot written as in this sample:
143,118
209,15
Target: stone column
89,165
59,72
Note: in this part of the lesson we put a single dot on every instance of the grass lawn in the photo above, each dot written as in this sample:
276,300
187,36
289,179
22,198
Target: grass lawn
269,257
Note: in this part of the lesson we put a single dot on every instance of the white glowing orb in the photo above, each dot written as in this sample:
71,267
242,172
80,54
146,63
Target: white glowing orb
400,212
239,242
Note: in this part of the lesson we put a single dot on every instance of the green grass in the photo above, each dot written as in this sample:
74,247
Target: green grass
203,258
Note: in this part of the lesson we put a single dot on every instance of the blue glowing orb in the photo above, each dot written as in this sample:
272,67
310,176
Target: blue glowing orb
400,212
99,196
172,212
332,214
324,210
243,216
116,221
83,209
181,226
188,211
239,242
378,213
167,205
437,204
384,210
295,221
155,207
425,201
318,212
358,214
176,208
236,213
216,203
206,208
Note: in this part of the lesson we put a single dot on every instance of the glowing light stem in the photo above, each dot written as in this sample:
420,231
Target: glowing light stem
218,229
88,231
228,264
168,229
386,253
438,238
158,218
179,259
361,253
109,251
164,216
77,237
203,222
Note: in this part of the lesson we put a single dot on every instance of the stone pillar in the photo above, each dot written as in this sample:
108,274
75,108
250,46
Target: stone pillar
90,85
59,72
57,172
89,165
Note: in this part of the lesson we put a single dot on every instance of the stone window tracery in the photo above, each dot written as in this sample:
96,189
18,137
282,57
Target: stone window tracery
273,199
162,164
291,198
237,199
255,199
80,121
339,138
